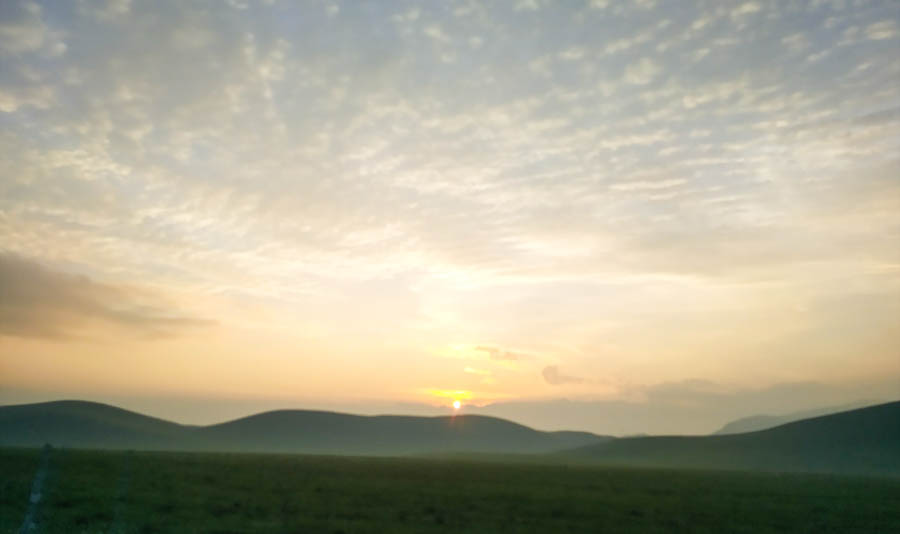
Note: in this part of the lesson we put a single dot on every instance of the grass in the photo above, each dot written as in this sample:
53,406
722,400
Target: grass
143,492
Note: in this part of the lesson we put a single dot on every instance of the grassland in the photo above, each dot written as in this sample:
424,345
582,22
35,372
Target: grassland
147,492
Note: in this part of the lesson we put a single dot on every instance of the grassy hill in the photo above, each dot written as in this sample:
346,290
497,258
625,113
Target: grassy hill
97,426
863,441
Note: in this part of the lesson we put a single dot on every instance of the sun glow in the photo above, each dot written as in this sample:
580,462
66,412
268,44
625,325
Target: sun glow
455,394
456,405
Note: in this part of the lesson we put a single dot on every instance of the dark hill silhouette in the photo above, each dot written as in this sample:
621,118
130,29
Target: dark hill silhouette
862,441
86,425
336,433
81,424
762,422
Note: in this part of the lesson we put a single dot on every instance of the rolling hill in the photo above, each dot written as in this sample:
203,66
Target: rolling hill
80,424
861,441
763,422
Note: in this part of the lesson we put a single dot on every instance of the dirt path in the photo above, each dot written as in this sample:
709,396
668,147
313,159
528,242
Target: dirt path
29,524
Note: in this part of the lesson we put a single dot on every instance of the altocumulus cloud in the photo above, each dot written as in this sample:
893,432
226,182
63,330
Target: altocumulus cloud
37,302
566,171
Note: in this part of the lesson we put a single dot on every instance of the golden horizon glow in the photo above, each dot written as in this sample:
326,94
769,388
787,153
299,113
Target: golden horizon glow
450,394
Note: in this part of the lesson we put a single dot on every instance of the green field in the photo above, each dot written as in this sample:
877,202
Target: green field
144,492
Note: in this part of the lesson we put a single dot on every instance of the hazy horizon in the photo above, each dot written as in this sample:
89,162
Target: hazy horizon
621,217
614,418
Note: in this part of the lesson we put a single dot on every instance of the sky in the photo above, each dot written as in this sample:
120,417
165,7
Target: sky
624,217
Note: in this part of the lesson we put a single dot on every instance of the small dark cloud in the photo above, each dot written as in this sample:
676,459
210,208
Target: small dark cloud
39,302
553,376
496,353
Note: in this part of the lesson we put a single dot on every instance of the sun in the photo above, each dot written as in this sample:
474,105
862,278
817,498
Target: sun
456,405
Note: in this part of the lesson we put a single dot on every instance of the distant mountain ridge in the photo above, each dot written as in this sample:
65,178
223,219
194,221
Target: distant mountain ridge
861,441
762,422
81,424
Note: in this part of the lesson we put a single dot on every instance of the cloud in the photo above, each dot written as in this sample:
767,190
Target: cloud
645,4
496,353
885,29
554,377
476,371
38,302
39,97
574,53
797,42
746,8
527,5
642,185
219,153
22,30
459,179
436,32
626,43
642,72
105,10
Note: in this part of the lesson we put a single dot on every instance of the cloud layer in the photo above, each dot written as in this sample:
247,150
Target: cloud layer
632,191
37,302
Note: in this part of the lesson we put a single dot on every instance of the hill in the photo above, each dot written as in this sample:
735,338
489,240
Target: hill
862,441
80,424
87,425
335,433
763,422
